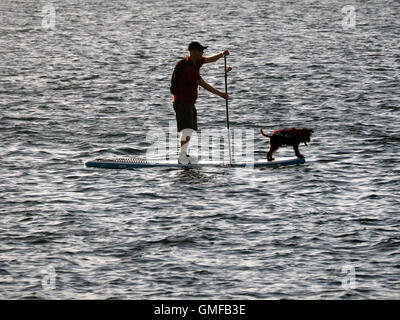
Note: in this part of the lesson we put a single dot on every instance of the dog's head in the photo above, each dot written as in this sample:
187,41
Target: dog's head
305,134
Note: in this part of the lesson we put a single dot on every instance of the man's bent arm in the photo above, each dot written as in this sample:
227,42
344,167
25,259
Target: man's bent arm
215,57
210,88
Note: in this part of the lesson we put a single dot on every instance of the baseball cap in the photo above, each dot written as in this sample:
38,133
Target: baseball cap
196,46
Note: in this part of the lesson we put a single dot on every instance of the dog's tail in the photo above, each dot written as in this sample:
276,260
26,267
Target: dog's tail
265,135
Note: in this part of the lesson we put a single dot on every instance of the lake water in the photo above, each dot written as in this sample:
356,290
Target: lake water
90,79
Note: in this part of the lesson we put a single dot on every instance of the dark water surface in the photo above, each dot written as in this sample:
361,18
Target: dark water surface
95,84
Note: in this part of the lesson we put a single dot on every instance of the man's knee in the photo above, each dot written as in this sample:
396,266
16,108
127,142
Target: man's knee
186,134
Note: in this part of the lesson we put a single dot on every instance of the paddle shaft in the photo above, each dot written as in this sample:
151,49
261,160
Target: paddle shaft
226,91
227,111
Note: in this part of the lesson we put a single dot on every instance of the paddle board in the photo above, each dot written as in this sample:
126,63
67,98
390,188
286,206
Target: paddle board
133,163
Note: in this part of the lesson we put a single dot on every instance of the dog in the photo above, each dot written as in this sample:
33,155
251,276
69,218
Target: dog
287,137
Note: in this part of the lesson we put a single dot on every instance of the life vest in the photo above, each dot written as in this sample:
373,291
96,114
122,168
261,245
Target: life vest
288,132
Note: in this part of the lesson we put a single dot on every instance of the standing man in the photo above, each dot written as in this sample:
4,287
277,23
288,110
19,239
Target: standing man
184,83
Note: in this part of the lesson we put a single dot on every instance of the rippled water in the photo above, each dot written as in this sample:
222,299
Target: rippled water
96,82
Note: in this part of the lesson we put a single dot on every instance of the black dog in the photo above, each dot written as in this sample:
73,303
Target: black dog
287,137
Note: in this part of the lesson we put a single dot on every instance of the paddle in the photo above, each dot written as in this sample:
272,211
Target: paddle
227,109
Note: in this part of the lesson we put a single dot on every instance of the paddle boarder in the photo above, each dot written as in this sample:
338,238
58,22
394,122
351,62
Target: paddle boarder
184,83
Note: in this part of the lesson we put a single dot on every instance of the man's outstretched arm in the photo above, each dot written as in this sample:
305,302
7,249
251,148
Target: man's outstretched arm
215,57
210,88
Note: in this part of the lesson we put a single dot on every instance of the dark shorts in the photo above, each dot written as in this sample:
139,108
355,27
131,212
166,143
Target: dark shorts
186,115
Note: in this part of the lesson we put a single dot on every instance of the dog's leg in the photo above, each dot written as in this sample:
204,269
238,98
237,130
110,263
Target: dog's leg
272,149
296,151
